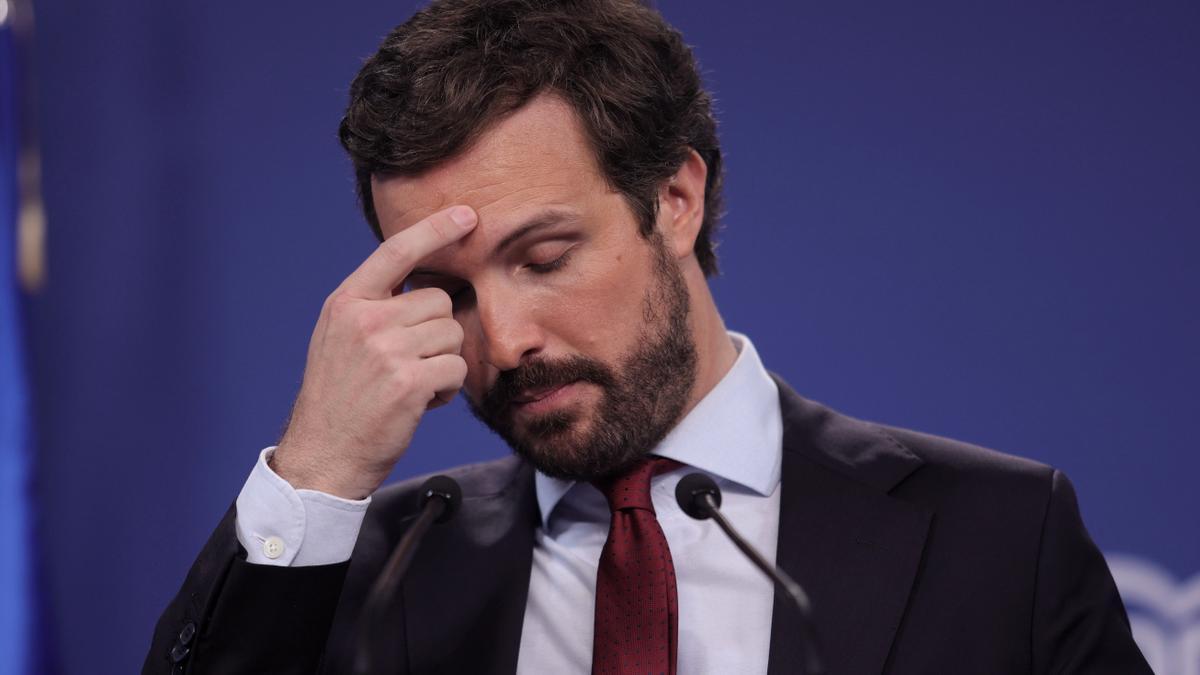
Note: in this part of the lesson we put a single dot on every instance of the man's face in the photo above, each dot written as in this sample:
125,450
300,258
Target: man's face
577,340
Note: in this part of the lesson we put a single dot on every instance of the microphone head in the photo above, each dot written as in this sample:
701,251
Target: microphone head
446,489
691,492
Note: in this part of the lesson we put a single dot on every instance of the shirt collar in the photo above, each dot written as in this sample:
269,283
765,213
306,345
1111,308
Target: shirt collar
735,432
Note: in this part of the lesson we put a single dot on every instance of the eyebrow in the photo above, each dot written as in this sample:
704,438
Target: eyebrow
541,221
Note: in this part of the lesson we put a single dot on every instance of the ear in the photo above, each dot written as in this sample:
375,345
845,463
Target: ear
681,205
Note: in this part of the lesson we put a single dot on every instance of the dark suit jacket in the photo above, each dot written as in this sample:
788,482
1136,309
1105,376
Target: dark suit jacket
920,554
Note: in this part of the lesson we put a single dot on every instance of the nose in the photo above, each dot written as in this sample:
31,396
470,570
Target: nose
509,329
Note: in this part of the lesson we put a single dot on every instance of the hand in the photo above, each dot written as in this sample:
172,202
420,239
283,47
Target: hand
376,363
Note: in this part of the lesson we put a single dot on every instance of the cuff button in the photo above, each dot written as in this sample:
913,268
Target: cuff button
273,547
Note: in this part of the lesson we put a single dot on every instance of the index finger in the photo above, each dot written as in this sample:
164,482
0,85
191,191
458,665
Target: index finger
390,263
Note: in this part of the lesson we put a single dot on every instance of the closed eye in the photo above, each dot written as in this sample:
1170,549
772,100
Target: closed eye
551,266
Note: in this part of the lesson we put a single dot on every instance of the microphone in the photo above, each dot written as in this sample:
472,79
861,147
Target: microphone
439,499
700,498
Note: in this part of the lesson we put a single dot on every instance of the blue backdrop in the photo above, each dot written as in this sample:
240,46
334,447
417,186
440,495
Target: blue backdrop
977,221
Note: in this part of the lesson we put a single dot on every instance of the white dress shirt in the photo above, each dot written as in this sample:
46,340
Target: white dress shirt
734,434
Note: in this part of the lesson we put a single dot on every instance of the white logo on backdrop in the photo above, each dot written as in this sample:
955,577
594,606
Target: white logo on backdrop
1164,613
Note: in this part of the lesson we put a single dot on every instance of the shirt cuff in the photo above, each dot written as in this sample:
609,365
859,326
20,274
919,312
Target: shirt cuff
280,525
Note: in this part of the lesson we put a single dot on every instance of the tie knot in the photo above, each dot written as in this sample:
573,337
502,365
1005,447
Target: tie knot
631,489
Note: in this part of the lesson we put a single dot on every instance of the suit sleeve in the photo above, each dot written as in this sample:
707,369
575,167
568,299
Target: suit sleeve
1079,623
234,617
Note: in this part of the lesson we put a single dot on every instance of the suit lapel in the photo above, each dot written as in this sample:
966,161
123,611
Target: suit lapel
853,548
465,596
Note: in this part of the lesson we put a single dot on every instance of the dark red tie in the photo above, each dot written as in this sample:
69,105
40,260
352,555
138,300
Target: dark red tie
637,609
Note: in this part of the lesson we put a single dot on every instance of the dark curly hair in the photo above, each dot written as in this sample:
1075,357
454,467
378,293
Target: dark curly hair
456,67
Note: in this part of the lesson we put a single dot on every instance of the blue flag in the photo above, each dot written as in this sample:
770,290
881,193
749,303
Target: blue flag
17,612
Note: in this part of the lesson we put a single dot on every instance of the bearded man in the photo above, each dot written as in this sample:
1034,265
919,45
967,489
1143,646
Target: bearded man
545,179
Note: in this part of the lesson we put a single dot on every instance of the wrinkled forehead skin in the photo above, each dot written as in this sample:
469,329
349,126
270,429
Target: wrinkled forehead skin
535,161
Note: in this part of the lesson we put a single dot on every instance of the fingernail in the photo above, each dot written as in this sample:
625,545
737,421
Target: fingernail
463,216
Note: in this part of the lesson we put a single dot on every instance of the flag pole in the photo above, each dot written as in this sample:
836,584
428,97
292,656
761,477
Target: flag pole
31,216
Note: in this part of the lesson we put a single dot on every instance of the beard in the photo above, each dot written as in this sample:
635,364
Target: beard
641,400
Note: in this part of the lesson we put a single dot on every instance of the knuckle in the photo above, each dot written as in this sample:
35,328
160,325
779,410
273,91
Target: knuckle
442,302
436,300
397,253
382,350
441,226
364,323
458,367
404,381
439,302
456,332
337,303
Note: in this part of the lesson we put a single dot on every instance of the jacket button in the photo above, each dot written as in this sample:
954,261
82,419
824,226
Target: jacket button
188,632
179,653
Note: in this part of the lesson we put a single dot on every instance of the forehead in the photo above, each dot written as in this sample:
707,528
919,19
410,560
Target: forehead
534,159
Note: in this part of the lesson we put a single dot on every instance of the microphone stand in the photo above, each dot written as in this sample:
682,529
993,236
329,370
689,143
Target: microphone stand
440,497
700,498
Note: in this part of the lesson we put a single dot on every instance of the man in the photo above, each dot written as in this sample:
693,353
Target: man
545,179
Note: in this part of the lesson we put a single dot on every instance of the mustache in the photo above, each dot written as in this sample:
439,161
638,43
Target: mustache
542,374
